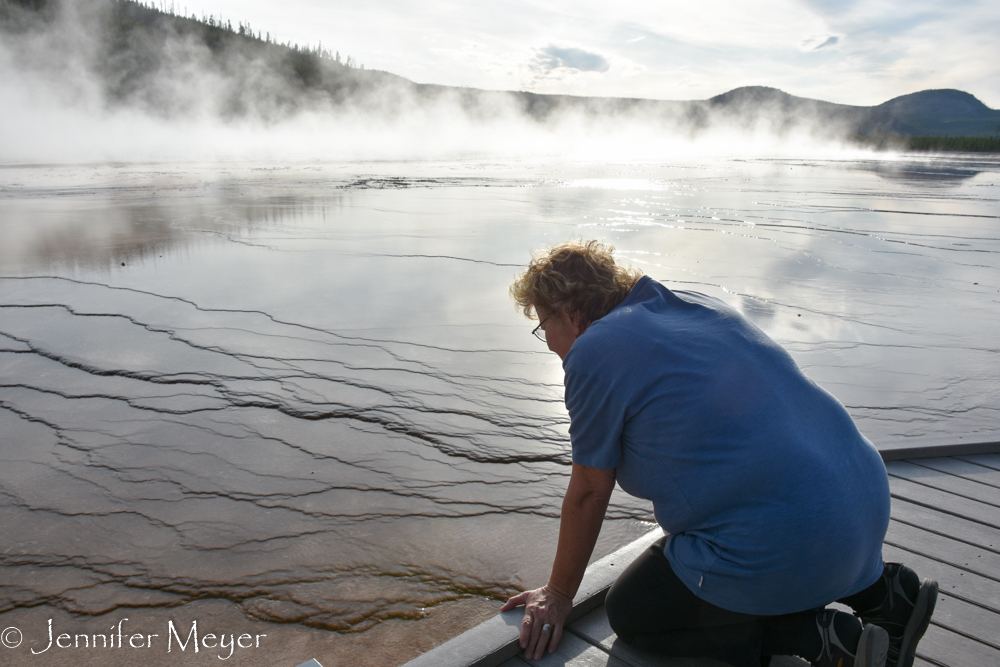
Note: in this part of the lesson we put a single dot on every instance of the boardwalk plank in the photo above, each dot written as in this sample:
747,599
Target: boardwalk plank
967,586
964,469
947,648
939,480
944,481
986,460
948,525
964,556
575,652
595,628
965,619
943,501
514,662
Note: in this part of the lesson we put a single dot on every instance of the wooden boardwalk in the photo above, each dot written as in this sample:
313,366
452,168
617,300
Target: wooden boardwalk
945,525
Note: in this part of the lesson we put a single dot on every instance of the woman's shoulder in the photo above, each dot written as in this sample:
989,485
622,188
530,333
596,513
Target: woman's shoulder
613,343
650,294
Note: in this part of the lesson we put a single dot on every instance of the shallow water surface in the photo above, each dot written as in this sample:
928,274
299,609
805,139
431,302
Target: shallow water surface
298,400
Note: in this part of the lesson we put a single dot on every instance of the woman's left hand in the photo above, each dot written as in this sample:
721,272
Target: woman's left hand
542,607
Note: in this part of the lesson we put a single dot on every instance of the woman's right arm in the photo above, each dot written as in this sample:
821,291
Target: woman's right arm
583,510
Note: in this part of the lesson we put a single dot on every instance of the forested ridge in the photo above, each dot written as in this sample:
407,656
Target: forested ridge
143,55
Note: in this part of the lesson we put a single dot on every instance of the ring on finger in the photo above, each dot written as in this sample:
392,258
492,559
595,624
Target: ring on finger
546,628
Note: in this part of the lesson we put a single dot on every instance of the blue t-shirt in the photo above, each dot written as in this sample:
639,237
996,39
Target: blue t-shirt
774,501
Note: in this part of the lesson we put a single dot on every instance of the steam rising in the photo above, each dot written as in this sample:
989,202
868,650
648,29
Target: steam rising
72,93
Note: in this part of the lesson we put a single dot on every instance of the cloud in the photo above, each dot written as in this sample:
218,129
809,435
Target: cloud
552,57
817,42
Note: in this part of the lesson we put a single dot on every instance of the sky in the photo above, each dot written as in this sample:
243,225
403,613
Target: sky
860,52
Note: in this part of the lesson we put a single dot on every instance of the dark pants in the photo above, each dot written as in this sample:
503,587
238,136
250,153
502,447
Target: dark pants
651,609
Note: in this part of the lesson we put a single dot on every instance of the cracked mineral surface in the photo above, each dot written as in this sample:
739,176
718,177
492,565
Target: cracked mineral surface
297,402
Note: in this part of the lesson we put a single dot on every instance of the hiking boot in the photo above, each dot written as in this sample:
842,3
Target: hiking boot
872,646
905,612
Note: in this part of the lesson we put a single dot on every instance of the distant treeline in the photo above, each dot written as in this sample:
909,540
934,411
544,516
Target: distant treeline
127,14
932,144
968,144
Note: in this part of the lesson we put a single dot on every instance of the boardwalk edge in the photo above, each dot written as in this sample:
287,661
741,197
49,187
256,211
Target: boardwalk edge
496,640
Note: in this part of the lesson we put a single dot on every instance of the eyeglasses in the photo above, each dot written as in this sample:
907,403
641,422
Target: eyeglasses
538,332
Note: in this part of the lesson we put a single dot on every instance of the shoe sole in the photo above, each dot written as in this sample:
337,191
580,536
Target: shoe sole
873,647
919,620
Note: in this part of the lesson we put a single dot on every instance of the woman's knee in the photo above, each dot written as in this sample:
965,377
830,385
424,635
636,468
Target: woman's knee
619,610
628,601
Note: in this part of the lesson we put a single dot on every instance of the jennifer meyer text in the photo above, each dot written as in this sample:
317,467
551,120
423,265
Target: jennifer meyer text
121,636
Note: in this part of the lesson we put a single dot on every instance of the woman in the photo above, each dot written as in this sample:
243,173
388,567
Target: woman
774,503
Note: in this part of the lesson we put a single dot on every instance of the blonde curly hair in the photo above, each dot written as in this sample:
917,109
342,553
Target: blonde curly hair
579,277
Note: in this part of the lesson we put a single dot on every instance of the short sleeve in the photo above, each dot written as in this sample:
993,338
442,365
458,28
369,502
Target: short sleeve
597,418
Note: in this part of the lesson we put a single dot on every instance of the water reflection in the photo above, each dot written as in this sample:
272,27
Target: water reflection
308,398
927,170
68,234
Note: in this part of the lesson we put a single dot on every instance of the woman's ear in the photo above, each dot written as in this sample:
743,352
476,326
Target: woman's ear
577,321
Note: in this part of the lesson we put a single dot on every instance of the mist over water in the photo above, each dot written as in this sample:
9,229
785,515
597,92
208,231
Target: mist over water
298,398
79,88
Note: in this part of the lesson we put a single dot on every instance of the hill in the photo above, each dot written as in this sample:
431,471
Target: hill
943,113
